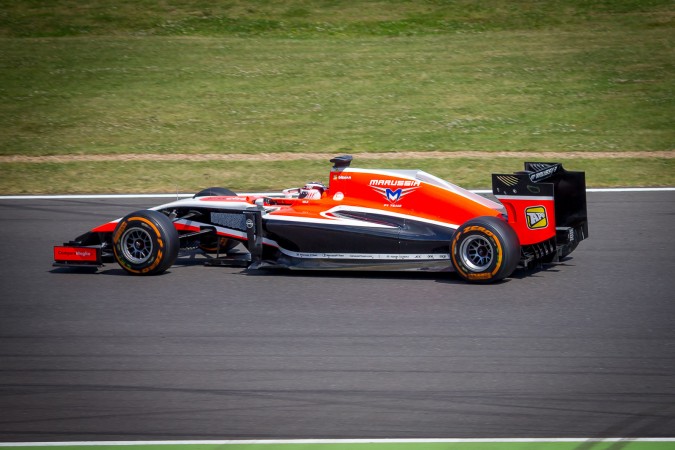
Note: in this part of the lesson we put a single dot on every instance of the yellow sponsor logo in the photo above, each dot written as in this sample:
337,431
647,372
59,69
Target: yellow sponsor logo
536,217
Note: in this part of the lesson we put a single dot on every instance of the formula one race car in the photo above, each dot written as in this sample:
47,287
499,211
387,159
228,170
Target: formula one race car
365,219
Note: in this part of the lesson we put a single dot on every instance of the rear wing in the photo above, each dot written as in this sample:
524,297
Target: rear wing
546,205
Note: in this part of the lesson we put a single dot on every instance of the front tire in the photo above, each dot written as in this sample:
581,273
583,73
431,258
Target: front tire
485,250
145,243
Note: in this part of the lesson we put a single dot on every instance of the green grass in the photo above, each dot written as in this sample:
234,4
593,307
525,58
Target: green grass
180,76
504,91
302,18
264,176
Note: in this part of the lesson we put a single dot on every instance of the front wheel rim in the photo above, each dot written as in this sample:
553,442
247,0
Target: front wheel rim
137,245
477,253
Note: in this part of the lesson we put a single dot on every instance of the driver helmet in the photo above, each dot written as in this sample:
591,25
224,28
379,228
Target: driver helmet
312,191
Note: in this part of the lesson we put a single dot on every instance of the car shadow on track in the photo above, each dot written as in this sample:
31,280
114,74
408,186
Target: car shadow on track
190,259
522,273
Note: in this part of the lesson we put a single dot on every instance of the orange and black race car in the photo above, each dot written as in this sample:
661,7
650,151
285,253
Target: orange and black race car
363,219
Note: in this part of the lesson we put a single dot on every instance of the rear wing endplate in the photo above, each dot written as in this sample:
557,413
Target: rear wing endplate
538,189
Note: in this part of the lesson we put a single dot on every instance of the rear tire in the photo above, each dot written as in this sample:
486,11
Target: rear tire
210,245
485,250
145,243
215,192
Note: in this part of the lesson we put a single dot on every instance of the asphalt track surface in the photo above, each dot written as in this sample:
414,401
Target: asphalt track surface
585,348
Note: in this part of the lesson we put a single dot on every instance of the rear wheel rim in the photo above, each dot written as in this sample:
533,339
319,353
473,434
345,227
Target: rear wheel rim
477,253
137,245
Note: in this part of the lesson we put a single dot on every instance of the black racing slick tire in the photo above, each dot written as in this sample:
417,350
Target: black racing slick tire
485,250
214,192
145,243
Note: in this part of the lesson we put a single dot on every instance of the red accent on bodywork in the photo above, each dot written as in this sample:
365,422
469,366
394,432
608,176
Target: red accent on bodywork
224,198
76,254
187,228
184,227
106,227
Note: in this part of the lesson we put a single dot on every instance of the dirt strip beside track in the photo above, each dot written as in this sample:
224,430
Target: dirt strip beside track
286,156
